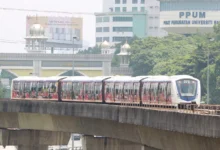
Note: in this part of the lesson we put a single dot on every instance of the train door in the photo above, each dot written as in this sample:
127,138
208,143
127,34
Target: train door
136,92
98,91
77,91
67,91
154,92
53,90
109,91
162,92
127,91
146,95
118,90
89,91
33,90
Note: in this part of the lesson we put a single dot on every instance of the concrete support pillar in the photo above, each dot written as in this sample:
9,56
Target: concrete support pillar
33,138
92,143
37,68
40,147
106,68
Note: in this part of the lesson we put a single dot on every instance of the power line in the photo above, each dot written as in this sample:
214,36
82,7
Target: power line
46,11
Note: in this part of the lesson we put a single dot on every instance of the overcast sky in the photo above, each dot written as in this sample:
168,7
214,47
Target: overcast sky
13,23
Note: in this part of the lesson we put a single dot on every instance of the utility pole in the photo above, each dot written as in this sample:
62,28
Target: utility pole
74,38
208,71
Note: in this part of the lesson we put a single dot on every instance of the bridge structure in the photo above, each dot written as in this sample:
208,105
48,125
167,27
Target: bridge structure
41,64
154,129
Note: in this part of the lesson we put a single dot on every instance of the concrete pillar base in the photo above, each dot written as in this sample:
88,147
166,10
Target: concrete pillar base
22,147
92,143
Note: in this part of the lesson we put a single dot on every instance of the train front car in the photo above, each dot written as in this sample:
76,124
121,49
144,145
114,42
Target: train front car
187,90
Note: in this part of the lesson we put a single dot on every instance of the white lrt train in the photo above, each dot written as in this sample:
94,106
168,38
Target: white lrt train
162,90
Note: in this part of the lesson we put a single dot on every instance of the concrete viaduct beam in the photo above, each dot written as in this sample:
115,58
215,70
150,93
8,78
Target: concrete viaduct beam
104,143
33,138
159,129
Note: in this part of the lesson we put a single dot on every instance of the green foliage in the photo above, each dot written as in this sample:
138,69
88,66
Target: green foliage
179,54
2,91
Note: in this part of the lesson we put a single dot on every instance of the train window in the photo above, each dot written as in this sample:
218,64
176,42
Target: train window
118,91
154,92
187,87
33,91
40,89
88,91
98,91
15,91
128,88
16,86
78,90
146,92
45,90
52,87
27,86
162,92
67,90
109,91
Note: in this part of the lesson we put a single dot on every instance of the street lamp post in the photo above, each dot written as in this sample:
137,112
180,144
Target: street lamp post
208,71
74,38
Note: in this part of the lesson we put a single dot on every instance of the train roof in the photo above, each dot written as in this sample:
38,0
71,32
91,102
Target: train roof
77,78
101,78
178,77
120,79
157,78
26,78
139,78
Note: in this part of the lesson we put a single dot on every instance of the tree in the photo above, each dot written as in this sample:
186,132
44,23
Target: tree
2,91
178,54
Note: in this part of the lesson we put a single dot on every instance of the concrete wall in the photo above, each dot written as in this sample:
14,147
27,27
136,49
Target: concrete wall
92,143
157,129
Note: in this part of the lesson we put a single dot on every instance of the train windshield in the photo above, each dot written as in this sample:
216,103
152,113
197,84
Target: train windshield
187,87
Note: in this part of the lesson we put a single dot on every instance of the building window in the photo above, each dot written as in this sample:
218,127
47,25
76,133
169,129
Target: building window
98,19
124,9
105,19
134,9
124,1
142,1
51,30
63,30
122,19
117,1
117,9
98,39
134,1
57,30
142,9
99,29
122,29
106,39
105,29
120,39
